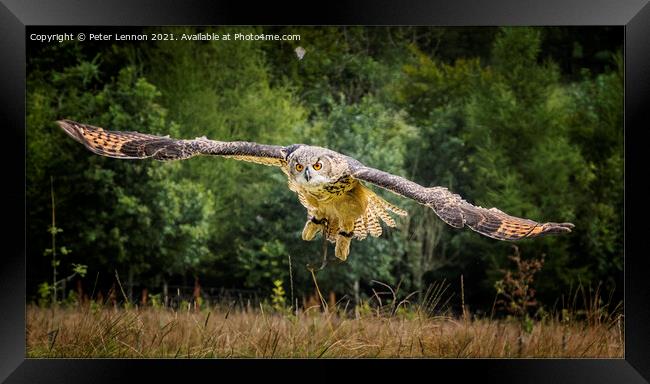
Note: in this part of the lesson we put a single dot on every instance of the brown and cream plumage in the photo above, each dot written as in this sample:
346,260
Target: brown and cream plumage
328,184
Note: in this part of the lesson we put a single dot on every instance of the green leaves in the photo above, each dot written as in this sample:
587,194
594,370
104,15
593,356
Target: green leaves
278,297
84,72
52,230
44,293
80,269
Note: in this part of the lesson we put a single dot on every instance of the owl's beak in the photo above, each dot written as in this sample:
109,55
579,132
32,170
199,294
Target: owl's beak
307,177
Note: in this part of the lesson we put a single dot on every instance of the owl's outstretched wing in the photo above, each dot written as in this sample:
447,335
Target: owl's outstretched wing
455,211
135,145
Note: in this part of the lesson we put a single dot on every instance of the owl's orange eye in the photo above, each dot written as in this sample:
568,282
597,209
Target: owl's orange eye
299,167
317,166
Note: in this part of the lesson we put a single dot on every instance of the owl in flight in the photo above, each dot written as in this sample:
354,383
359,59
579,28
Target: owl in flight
328,184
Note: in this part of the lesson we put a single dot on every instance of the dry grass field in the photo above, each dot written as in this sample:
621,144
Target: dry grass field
311,333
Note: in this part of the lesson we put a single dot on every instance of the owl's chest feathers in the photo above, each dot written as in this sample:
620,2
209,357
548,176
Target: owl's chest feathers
339,199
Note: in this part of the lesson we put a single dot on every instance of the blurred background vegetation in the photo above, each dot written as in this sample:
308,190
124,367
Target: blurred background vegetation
529,120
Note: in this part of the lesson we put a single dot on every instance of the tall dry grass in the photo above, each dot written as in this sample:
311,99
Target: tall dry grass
312,333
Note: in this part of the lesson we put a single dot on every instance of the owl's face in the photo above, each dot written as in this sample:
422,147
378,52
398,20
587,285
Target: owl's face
310,169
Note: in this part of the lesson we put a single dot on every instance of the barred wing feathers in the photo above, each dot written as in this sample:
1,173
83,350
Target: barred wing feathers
457,212
135,145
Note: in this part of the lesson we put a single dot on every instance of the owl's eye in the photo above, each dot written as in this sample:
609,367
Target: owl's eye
299,167
317,166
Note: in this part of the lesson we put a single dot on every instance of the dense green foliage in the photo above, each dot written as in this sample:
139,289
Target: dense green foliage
506,117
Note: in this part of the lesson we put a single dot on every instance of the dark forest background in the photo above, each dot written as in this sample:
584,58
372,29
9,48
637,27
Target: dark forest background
529,120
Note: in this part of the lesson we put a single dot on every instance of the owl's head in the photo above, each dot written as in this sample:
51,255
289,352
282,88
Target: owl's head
311,166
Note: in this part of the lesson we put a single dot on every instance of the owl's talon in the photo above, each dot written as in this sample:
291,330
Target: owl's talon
320,267
324,226
313,267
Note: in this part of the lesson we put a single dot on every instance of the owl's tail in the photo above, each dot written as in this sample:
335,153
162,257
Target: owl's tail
376,210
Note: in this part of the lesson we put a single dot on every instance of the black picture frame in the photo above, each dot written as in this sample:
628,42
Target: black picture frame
15,15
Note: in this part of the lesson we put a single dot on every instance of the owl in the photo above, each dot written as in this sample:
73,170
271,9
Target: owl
330,185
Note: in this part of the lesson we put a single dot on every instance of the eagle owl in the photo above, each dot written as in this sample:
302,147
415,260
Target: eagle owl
328,184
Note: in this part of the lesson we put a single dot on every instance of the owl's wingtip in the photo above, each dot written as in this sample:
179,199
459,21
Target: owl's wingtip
66,124
71,128
63,123
556,228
